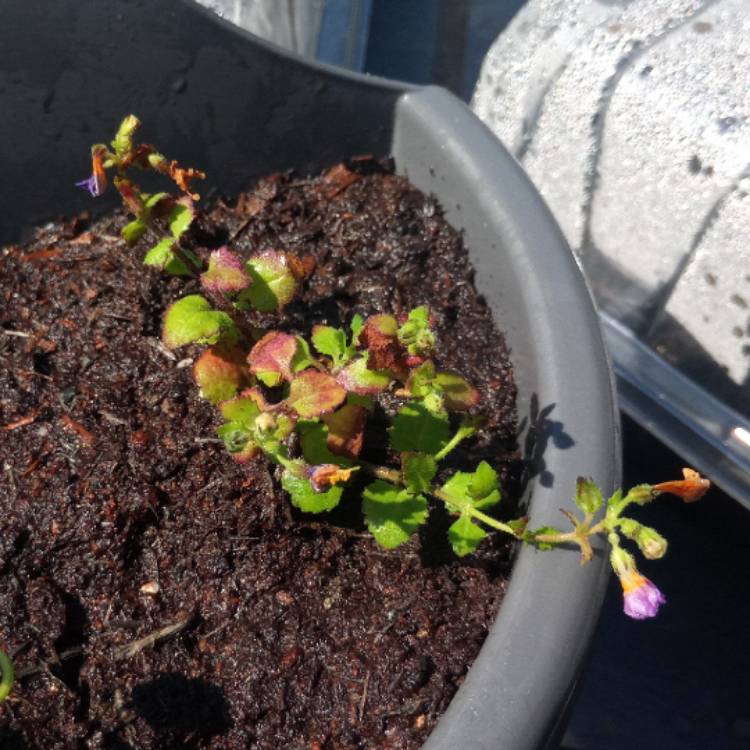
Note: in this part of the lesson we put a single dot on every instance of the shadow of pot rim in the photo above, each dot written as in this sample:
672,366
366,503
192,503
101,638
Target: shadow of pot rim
516,692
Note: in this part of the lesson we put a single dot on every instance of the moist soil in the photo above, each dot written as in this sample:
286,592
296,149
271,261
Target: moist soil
156,594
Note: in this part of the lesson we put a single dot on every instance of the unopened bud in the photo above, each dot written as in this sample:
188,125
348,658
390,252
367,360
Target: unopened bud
651,543
265,422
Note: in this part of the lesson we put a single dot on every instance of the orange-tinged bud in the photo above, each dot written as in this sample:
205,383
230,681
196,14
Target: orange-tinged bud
693,487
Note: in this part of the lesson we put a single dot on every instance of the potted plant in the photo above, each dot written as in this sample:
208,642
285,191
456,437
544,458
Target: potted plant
523,268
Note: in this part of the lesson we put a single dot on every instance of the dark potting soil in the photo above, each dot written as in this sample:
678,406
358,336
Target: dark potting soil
156,594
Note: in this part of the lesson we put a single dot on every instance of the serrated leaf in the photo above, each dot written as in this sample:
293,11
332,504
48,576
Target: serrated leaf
346,430
313,393
302,358
416,429
271,359
421,380
191,320
588,495
304,496
244,409
356,377
226,273
464,535
469,490
123,141
418,470
483,482
219,373
133,231
392,514
415,333
331,342
180,218
163,256
314,444
273,282
458,394
238,442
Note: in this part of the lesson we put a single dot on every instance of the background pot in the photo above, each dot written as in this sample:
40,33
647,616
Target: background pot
222,100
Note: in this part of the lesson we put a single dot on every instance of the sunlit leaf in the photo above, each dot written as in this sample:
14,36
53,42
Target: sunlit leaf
274,283
272,357
220,372
226,273
192,320
313,393
419,430
304,496
392,514
356,377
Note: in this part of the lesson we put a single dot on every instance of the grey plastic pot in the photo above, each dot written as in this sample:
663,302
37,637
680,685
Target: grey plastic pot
239,108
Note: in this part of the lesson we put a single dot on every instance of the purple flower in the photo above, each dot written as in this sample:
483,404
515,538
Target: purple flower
641,597
97,183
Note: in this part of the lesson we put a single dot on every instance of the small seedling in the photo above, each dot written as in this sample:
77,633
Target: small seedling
8,676
305,405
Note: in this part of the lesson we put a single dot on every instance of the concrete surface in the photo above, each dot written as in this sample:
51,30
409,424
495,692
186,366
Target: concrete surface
633,120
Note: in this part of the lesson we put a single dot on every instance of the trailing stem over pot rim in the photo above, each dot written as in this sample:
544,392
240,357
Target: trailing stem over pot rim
304,403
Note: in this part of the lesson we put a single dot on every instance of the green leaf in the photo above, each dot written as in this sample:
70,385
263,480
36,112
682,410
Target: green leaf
305,497
226,273
331,342
356,377
314,444
123,142
133,231
150,202
416,429
469,490
313,393
162,256
458,394
237,441
302,358
219,373
465,536
356,327
273,282
588,495
180,218
419,470
191,320
392,514
346,430
483,482
244,409
416,333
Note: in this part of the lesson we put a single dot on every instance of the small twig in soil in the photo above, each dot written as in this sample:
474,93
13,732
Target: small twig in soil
21,334
22,422
131,649
123,652
363,699
162,349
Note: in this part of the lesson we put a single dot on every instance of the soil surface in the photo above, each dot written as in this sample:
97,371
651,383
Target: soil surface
156,594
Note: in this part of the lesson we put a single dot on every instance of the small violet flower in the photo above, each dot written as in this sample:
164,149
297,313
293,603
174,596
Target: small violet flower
97,183
641,597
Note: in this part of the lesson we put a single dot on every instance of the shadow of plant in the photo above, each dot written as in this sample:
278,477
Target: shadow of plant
177,707
540,430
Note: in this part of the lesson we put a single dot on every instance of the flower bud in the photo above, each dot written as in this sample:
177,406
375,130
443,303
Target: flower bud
693,487
265,422
651,543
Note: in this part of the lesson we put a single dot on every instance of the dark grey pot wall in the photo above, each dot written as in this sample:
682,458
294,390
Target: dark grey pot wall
238,108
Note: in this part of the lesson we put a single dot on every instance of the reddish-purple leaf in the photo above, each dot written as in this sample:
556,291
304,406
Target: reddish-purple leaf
220,372
379,337
357,378
271,358
313,393
226,273
346,430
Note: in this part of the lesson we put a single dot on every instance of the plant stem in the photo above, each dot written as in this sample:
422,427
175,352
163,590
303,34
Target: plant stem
6,683
394,476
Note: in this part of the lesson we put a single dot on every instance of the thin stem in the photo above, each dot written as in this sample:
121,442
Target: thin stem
461,434
393,475
6,683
